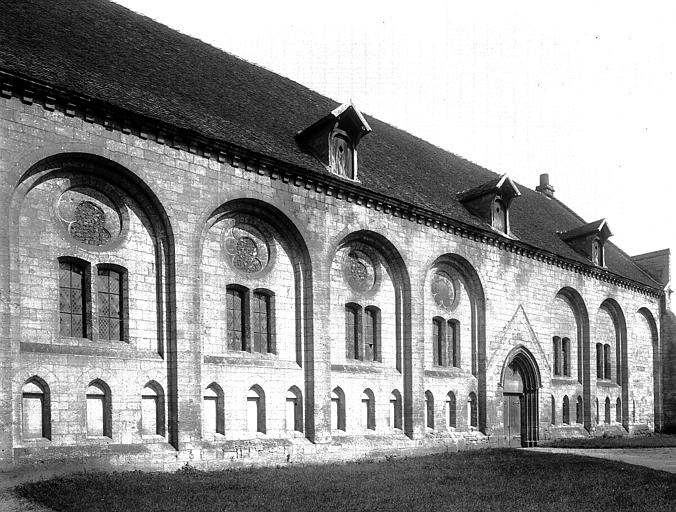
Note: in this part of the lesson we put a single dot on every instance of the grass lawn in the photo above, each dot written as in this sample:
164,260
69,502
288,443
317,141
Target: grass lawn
651,441
483,480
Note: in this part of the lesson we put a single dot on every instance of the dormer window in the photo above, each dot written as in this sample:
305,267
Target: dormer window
589,240
499,215
491,202
341,156
333,140
596,252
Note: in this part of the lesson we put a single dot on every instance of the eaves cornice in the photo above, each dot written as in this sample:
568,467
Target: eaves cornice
115,118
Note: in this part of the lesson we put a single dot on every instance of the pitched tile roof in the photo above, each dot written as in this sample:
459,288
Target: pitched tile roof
103,51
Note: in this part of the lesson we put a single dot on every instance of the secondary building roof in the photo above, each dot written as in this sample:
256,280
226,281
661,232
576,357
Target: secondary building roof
103,51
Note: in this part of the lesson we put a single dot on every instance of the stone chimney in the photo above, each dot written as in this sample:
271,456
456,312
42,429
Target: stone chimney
544,187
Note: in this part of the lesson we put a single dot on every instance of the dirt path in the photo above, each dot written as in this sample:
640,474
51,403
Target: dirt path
663,459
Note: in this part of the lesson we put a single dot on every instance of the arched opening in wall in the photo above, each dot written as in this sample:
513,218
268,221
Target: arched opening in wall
566,410
294,410
579,416
451,414
472,415
36,409
646,316
577,305
618,411
459,268
368,410
95,204
338,409
429,410
395,409
152,410
251,242
255,410
620,359
99,409
520,388
213,420
371,287
607,411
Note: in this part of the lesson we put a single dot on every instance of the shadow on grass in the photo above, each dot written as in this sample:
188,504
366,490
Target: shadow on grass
486,480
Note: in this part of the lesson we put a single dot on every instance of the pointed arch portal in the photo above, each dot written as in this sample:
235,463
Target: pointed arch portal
520,388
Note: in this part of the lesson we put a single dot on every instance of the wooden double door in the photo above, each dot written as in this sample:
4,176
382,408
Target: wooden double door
512,415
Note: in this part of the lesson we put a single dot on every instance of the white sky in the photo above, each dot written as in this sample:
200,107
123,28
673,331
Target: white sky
582,90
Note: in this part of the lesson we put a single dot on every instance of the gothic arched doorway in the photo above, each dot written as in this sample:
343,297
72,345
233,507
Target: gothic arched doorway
520,389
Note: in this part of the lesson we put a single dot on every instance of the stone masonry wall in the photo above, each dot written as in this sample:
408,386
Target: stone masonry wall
177,323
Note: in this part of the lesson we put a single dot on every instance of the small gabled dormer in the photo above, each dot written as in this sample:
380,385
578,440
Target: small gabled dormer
589,240
333,140
491,202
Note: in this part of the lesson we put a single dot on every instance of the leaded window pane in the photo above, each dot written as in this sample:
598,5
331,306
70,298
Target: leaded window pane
234,305
109,304
71,300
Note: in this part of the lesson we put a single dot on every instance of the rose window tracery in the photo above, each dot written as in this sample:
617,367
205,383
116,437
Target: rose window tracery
89,216
359,271
443,291
246,248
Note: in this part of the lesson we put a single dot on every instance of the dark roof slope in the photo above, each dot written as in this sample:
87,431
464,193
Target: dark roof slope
104,51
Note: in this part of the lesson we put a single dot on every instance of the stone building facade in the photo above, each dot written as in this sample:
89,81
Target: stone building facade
180,283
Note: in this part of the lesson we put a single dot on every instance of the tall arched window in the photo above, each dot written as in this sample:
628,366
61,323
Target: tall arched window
152,410
606,362
372,334
553,403
353,346
453,332
599,361
565,356
255,410
556,347
451,410
438,340
566,410
395,409
263,322
236,317
294,410
72,298
578,410
110,297
35,409
99,411
429,409
368,410
473,418
214,413
618,411
607,418
338,409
